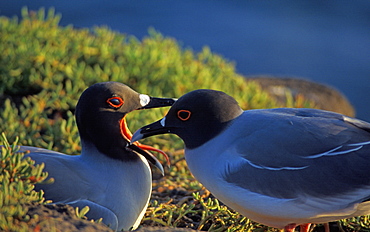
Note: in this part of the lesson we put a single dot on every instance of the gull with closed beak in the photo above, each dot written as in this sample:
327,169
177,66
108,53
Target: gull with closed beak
280,167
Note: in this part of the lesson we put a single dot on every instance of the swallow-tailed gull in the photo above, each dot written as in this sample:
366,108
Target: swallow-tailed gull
280,167
110,176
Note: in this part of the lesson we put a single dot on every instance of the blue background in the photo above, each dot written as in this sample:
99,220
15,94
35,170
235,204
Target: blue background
323,41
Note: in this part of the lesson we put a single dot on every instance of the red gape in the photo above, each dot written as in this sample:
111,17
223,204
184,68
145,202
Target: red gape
126,133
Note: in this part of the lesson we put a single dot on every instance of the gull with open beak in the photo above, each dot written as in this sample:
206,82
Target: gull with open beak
110,176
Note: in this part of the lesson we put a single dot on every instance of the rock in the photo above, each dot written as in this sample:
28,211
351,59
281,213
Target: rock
59,217
324,97
62,218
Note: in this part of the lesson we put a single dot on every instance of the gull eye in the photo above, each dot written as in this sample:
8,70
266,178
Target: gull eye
183,115
115,102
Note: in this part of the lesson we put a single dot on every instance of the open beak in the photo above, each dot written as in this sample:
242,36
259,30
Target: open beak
155,128
141,148
148,103
152,159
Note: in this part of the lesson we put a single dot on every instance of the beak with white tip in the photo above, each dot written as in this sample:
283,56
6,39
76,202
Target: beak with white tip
148,102
155,128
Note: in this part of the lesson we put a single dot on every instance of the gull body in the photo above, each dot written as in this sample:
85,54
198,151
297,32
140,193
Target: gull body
95,180
279,167
108,176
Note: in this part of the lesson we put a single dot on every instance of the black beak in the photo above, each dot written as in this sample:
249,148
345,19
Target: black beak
152,159
156,102
156,128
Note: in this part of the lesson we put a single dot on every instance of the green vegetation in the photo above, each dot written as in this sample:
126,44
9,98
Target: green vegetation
43,70
17,179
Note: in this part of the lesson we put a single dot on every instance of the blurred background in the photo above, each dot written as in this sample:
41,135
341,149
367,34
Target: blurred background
323,41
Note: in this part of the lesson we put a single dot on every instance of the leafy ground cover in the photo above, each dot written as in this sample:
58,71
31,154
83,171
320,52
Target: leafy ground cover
43,70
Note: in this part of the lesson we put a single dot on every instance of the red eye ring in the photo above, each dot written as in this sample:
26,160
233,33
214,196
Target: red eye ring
183,115
115,102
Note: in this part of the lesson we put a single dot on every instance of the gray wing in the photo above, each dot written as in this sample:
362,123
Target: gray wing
286,153
64,169
71,185
70,181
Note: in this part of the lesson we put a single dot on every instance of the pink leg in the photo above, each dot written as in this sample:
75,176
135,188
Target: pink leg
326,226
305,227
290,227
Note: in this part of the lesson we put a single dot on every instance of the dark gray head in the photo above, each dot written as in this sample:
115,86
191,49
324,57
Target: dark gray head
100,114
196,117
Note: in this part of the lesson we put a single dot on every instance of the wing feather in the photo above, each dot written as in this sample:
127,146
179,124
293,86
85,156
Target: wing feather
288,153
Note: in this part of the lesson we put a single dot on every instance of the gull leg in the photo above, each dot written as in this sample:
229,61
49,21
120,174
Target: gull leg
290,227
326,226
305,227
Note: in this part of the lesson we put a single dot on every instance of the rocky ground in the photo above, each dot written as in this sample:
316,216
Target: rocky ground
62,218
